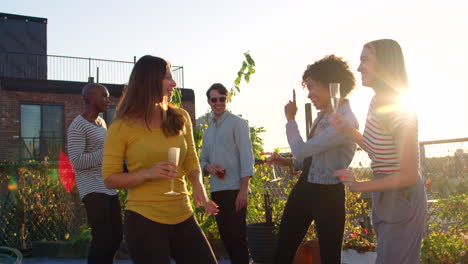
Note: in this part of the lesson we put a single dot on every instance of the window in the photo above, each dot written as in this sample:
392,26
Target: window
41,131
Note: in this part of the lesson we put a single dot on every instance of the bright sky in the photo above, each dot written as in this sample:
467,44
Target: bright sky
208,39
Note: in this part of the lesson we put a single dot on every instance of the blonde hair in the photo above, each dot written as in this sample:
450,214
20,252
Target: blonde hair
391,69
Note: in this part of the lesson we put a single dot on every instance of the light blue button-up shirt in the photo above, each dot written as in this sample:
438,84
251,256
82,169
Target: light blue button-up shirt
226,142
330,149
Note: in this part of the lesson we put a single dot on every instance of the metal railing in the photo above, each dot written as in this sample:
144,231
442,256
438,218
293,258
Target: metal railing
15,148
67,68
447,158
444,166
36,148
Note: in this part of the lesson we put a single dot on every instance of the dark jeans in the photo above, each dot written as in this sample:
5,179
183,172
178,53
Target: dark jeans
105,220
151,242
231,225
325,205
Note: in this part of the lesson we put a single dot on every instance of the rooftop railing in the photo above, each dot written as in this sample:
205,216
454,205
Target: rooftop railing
66,68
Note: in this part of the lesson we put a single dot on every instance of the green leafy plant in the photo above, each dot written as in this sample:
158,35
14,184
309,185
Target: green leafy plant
443,247
84,236
358,234
445,241
36,205
177,97
257,141
246,70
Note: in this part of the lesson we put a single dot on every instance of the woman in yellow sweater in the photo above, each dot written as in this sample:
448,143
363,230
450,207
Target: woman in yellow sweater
157,226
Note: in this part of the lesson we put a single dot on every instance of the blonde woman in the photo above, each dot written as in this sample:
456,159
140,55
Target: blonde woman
391,139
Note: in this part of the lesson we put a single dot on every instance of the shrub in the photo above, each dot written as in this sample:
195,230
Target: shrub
34,204
447,226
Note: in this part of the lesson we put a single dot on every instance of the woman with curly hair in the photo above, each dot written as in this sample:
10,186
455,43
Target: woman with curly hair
391,139
317,195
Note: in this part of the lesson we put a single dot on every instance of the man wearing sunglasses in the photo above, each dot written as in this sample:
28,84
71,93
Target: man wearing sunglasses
227,156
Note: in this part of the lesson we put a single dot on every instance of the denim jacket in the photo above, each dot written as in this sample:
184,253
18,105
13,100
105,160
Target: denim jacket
330,149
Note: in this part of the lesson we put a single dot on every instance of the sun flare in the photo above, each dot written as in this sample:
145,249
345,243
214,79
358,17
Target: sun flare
409,101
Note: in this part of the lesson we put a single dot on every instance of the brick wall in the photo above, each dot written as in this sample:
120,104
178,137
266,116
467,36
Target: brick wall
10,101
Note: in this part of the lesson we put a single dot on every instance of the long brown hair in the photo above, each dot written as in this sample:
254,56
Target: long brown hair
144,92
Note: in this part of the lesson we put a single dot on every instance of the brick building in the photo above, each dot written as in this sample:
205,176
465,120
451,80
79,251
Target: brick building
40,94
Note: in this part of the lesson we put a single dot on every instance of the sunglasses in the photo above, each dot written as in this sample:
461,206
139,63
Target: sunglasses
214,100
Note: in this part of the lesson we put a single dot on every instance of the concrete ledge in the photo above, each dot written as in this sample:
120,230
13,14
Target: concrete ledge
59,249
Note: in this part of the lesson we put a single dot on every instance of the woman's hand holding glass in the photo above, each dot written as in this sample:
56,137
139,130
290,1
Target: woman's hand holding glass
162,169
276,159
341,124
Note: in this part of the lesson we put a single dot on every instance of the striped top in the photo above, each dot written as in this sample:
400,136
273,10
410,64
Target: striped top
85,148
382,125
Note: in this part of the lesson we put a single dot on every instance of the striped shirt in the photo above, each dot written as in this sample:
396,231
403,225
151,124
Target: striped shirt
85,148
383,123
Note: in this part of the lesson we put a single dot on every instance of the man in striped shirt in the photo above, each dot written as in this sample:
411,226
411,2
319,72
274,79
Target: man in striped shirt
86,136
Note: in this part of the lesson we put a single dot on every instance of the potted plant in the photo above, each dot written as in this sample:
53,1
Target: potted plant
358,247
266,204
261,237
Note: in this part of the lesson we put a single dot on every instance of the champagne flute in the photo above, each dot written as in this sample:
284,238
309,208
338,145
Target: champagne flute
173,156
272,167
275,179
273,171
334,95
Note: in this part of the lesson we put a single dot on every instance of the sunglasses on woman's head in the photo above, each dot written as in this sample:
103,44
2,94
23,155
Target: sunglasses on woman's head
214,100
